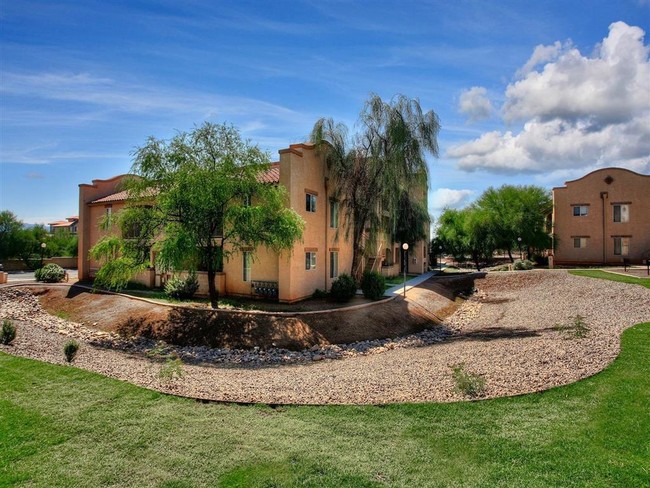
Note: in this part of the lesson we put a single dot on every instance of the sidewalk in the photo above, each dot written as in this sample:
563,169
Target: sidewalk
399,289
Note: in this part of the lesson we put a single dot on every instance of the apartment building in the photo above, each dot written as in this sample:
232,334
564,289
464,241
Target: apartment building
602,218
313,263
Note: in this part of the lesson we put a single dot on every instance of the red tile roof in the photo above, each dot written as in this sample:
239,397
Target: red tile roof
272,176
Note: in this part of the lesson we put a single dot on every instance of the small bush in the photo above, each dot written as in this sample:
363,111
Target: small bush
343,288
70,350
522,265
8,333
540,260
318,293
172,369
180,288
577,330
373,285
469,384
50,273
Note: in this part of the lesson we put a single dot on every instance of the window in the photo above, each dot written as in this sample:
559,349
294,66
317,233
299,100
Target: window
310,260
334,264
310,202
579,242
246,275
580,210
334,214
621,213
621,246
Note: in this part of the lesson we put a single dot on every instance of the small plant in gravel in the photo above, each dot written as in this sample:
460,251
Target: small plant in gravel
50,273
469,384
8,332
172,369
70,350
373,285
344,288
577,330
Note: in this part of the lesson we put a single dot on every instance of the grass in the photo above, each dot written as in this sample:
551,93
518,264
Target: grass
61,426
604,275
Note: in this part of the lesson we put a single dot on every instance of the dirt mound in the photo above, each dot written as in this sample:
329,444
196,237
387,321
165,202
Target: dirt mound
427,305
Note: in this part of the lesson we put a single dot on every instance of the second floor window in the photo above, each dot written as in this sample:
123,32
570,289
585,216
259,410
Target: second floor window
621,213
310,202
580,210
334,214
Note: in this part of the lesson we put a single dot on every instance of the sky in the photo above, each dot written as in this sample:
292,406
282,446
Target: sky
527,92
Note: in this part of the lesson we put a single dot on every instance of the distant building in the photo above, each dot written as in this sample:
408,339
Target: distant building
70,224
602,218
313,263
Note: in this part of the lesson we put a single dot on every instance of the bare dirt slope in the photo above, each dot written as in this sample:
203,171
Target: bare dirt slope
428,304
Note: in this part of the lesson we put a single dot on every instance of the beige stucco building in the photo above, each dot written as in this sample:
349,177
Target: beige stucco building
314,263
602,218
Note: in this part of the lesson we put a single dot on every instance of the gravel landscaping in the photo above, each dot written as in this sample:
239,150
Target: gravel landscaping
518,332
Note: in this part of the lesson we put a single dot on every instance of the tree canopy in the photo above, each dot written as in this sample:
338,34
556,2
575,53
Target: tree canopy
198,198
378,167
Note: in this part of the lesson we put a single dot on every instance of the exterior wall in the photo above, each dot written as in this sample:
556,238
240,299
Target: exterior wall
600,191
89,215
264,267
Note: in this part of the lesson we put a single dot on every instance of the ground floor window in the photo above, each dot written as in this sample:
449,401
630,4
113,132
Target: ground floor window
579,242
310,260
334,264
246,266
621,246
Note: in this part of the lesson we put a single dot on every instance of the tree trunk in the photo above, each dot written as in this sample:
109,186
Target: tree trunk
212,289
512,260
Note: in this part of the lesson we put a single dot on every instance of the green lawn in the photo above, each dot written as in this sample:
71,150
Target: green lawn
604,275
61,426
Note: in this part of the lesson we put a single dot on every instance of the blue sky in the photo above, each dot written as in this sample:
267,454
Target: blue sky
527,92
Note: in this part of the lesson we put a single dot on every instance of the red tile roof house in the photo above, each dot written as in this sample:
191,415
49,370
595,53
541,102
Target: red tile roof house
313,263
70,223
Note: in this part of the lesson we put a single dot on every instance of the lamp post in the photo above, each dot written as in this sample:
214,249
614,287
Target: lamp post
440,259
43,246
405,246
521,256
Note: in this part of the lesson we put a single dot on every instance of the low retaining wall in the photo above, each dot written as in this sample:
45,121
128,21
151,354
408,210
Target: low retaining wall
19,264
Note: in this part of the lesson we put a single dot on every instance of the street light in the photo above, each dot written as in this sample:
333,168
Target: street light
521,256
405,246
43,246
440,260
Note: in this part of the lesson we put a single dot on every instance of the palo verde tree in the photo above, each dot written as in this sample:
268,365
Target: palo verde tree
375,168
199,198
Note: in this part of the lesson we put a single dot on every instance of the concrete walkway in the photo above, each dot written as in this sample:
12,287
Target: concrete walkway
413,282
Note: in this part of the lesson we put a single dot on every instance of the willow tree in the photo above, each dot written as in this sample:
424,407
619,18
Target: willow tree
374,168
199,198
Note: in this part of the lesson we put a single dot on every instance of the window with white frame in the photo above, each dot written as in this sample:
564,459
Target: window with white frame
579,242
246,266
310,260
310,202
621,213
334,264
334,214
580,210
621,246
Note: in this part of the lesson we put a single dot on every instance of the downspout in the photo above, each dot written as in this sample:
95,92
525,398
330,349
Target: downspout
603,196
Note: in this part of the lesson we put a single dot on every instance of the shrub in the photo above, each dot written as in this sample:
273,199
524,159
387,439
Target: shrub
469,384
578,330
8,333
540,260
70,350
172,369
180,288
50,273
373,285
522,265
318,293
343,288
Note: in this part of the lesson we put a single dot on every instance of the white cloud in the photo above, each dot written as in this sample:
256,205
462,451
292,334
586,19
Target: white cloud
475,104
448,198
579,111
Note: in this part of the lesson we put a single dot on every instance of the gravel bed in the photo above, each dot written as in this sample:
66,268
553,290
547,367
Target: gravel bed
516,332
